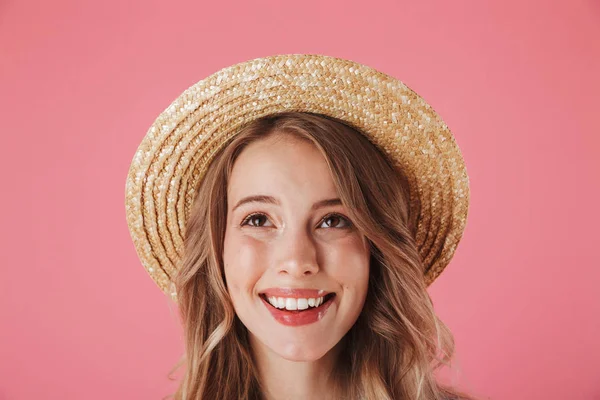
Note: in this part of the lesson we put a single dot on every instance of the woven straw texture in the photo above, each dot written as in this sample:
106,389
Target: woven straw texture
173,156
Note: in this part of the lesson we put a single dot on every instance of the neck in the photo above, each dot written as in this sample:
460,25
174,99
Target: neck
284,379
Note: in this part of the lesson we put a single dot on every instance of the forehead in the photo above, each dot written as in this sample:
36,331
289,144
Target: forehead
281,165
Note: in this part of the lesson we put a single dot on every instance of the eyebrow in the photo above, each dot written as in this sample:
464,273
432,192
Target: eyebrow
273,200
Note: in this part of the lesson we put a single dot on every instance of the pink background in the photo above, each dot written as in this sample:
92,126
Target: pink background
80,83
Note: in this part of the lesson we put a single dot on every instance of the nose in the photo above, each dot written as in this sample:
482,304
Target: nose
297,253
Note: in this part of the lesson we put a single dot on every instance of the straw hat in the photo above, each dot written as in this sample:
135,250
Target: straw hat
173,156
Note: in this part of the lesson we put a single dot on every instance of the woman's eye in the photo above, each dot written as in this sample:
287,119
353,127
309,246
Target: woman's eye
336,219
255,219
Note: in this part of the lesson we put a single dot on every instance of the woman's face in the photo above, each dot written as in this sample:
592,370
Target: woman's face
289,247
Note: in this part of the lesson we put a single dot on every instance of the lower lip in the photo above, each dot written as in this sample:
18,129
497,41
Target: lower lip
297,318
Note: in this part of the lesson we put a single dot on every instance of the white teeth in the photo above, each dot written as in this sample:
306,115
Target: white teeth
273,301
290,303
302,304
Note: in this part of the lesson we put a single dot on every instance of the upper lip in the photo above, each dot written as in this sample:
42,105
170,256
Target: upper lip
294,293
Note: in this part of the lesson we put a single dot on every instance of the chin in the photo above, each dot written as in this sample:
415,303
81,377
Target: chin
301,351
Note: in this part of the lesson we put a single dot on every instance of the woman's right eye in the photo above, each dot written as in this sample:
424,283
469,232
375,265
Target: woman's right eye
254,219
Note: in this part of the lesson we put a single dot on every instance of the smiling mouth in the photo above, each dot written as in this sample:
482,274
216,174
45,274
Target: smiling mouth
296,305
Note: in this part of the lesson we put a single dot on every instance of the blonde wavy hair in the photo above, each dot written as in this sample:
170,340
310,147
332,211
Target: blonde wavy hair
397,343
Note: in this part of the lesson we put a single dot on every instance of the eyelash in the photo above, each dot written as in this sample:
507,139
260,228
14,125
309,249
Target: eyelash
348,223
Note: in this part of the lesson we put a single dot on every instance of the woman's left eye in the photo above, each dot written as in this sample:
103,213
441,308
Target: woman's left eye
336,218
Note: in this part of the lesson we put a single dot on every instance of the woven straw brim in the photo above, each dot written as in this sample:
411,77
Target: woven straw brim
173,157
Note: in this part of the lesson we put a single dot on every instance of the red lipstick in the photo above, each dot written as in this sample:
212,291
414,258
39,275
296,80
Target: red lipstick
294,293
298,317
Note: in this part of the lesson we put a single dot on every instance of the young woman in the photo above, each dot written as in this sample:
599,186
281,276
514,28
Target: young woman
300,273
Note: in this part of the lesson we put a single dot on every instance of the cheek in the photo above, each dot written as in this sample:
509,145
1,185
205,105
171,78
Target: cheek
244,260
350,266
